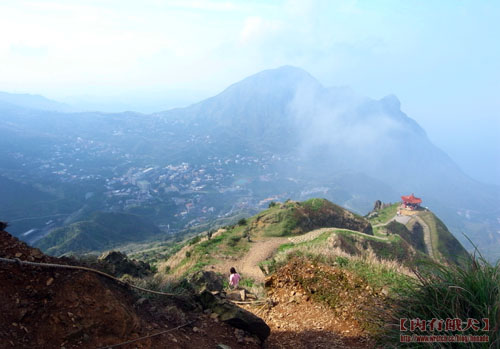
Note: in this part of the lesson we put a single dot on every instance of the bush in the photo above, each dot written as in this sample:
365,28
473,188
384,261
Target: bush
242,221
188,254
342,261
195,240
233,240
272,204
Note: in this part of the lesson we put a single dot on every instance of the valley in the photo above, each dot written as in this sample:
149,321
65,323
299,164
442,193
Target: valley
227,157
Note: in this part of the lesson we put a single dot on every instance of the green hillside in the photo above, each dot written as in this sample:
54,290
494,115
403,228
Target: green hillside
100,231
447,246
279,221
295,218
315,226
423,230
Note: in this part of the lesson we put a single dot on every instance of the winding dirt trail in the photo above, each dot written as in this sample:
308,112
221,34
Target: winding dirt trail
408,219
248,265
427,237
260,251
263,248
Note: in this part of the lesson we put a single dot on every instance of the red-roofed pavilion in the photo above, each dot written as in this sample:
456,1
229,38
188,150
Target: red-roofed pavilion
411,202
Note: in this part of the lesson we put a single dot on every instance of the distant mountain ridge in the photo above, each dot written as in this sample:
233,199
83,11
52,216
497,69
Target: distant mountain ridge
333,131
297,137
30,101
100,231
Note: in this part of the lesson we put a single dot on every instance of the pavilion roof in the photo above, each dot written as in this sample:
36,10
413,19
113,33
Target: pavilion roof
411,199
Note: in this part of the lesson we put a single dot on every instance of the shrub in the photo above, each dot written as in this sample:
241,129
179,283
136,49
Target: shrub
188,254
342,261
233,240
272,204
242,221
195,240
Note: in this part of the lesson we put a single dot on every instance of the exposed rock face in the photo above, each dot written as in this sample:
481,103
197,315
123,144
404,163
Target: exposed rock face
3,225
206,280
119,264
234,315
379,205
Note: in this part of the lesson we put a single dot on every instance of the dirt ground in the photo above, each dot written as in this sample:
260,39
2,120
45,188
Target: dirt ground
298,321
59,308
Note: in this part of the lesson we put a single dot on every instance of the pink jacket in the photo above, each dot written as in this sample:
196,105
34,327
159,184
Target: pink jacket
234,279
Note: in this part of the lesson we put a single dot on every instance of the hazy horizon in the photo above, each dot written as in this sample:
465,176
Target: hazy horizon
440,59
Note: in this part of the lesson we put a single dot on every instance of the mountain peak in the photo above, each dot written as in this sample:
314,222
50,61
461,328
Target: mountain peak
285,79
391,102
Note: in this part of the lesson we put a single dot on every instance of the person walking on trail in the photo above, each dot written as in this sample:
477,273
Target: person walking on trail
234,279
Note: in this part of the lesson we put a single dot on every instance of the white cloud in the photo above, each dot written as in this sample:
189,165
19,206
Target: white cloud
256,28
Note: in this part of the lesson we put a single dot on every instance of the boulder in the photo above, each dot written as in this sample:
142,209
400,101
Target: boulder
234,295
207,280
119,264
242,319
234,315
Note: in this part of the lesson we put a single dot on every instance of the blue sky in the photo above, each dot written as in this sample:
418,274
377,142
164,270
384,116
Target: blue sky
441,58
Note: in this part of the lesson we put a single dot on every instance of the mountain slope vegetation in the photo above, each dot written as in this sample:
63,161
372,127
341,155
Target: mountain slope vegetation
255,244
278,133
101,231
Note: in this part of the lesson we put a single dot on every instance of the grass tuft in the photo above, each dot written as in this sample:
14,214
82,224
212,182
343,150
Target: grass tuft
449,292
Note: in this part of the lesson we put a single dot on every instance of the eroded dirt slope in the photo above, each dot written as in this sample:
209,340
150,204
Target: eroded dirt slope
55,308
300,319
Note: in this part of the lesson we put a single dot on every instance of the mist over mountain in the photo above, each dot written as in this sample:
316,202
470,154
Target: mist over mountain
29,101
277,134
331,132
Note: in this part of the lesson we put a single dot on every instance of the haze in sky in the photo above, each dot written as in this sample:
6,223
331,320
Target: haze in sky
442,59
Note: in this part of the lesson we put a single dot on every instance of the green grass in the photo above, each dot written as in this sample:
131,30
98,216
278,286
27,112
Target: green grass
375,275
443,241
247,282
314,204
441,292
286,246
281,222
385,214
229,242
347,232
316,241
